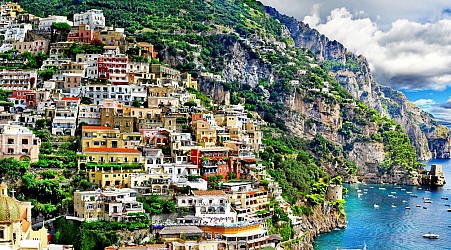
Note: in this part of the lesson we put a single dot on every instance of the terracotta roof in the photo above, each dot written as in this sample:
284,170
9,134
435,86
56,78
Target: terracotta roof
209,192
112,150
70,99
97,127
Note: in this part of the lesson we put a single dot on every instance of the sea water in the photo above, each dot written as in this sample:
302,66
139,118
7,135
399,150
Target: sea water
392,226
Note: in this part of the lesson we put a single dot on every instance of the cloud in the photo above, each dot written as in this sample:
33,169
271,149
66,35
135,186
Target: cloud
406,42
440,111
409,55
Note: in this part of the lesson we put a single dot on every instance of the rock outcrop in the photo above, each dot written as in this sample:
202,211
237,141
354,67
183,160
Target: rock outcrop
323,220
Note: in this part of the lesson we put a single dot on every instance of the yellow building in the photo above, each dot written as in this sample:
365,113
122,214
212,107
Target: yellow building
101,137
248,203
105,177
15,224
205,134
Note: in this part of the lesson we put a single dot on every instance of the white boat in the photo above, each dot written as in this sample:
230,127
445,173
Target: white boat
427,201
381,188
393,192
449,210
407,207
393,206
431,236
403,189
408,192
404,201
376,206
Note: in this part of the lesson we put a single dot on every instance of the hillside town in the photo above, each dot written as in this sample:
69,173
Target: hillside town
143,129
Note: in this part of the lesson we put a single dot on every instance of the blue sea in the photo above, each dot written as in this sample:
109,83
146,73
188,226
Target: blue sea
392,226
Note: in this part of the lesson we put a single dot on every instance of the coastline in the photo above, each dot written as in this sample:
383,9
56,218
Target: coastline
323,220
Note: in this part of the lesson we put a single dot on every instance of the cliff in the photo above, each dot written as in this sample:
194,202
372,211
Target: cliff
429,138
323,220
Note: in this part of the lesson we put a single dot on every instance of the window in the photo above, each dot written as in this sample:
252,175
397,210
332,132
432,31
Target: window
25,151
10,150
25,141
10,141
90,206
2,233
125,159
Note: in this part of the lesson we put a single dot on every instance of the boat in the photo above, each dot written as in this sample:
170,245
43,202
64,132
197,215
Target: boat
407,207
393,192
420,188
425,208
398,187
404,201
427,201
393,206
449,210
418,205
444,198
390,195
447,205
408,192
431,236
376,206
403,189
414,196
381,188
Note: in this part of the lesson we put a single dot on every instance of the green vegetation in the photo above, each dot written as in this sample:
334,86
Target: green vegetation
155,205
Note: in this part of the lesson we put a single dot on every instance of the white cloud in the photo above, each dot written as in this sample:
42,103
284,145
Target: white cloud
409,55
425,104
407,42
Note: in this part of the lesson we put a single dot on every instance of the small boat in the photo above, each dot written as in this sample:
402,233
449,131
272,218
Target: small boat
371,187
398,187
420,188
444,198
418,205
403,189
376,206
425,208
407,207
408,192
358,190
414,196
449,210
390,195
393,192
431,236
404,201
393,206
447,205
381,188
365,189
427,201
365,192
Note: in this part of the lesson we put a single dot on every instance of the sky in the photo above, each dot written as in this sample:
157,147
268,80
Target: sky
407,42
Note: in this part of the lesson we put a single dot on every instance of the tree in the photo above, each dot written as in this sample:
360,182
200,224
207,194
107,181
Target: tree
41,124
59,31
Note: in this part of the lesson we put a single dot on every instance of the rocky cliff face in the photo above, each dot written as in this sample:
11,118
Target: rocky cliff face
429,138
323,220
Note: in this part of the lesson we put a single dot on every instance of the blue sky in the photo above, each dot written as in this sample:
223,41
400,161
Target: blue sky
407,42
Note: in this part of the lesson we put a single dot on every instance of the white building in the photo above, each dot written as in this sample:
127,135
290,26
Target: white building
109,205
65,119
93,18
15,32
89,113
46,22
212,206
124,94
18,79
